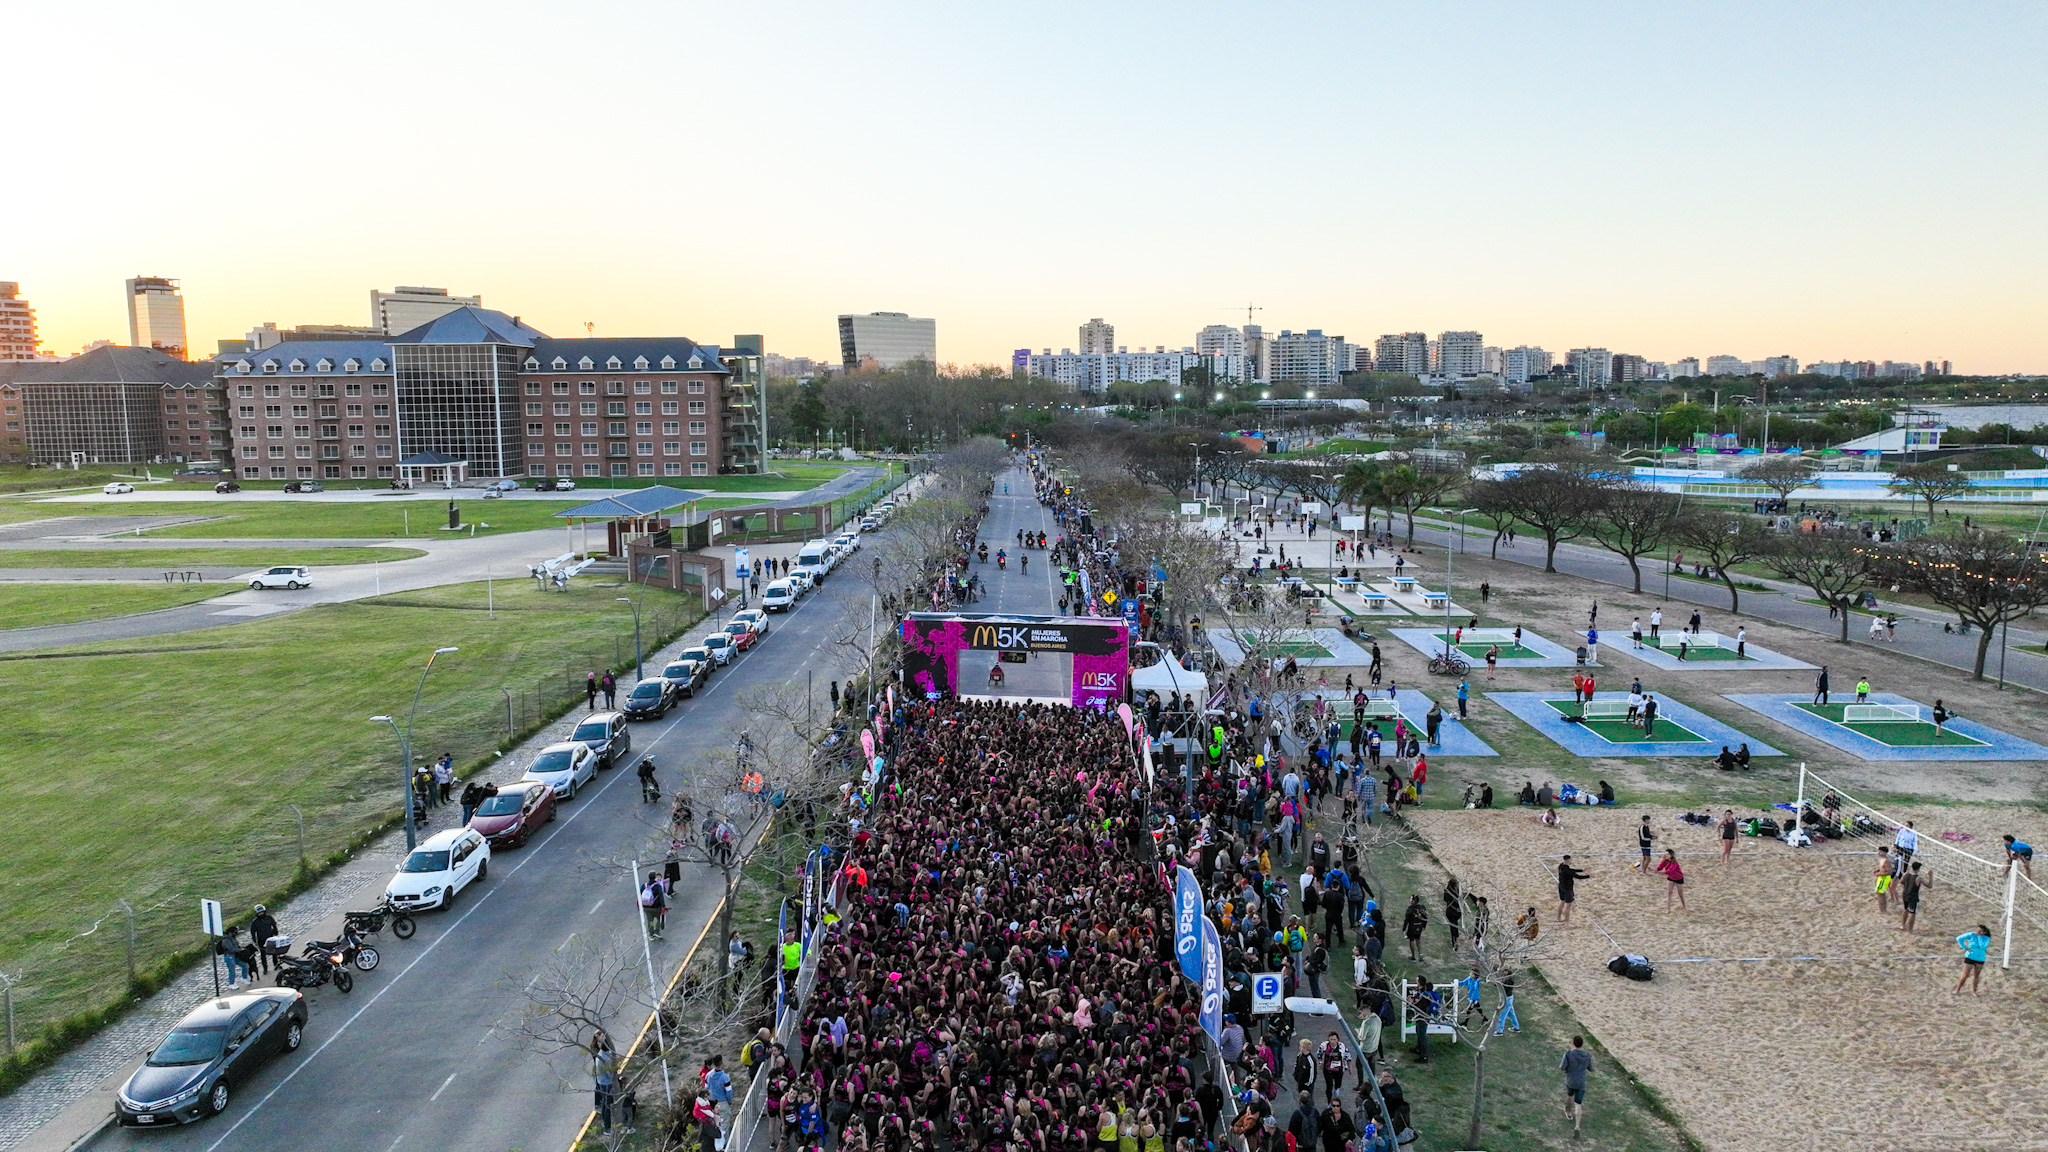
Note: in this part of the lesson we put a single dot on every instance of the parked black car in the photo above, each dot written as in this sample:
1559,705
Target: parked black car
189,1075
650,699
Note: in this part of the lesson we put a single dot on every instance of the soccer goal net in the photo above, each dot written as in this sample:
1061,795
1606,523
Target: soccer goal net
1701,640
2013,904
1880,713
1604,710
1502,636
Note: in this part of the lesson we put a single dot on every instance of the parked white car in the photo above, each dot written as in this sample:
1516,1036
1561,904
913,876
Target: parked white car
564,767
292,576
117,488
754,616
779,596
445,864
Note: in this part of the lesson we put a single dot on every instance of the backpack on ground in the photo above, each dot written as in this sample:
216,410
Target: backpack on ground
1632,966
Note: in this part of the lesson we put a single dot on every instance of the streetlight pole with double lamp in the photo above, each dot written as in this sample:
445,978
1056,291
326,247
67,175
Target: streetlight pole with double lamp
639,673
405,747
1459,518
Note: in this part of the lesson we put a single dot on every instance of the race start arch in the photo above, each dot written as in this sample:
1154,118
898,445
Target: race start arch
1080,660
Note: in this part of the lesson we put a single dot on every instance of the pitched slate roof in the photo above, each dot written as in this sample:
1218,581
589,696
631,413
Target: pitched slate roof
634,502
471,325
116,364
310,353
631,352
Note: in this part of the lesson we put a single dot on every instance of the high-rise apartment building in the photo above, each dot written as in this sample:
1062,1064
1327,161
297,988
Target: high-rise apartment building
886,339
1492,362
1628,367
1403,352
17,324
1310,359
1727,366
1219,340
1522,364
1098,335
1460,354
1593,366
1258,355
1686,366
1775,366
156,315
405,308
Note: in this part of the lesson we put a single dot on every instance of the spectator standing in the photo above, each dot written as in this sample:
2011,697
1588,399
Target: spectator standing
604,1073
1910,887
1976,946
262,926
1414,922
590,692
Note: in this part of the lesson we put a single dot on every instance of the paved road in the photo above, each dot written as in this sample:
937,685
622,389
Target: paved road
1014,591
419,1056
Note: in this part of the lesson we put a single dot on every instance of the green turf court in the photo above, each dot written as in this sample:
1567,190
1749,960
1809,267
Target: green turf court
1693,651
1478,649
1620,731
1895,733
1298,650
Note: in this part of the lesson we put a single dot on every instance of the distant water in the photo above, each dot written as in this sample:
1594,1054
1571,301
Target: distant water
1978,415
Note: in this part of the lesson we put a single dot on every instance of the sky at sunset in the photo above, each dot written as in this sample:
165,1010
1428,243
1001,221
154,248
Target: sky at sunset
1825,180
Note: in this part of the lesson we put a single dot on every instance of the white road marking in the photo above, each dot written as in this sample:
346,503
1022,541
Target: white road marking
565,943
595,907
438,1091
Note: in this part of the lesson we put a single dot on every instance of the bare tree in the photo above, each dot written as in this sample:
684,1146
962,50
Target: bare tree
1983,577
1633,521
1723,540
1835,565
1930,482
1501,959
1782,473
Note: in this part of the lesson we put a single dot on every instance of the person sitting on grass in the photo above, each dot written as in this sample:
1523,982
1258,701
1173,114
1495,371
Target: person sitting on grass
1742,757
1527,795
1726,760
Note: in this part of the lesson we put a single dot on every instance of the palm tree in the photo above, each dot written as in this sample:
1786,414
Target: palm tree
1362,485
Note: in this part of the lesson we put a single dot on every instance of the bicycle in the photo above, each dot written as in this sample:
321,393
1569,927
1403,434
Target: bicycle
1448,664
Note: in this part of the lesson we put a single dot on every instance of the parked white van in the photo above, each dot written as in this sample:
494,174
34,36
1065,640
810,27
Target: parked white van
815,560
779,596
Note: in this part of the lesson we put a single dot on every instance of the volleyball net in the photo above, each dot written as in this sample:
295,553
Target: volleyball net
2014,903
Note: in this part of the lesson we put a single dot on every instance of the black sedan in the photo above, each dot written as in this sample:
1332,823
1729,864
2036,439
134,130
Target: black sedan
650,699
217,1045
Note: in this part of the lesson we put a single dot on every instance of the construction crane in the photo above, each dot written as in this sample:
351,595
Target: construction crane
1248,310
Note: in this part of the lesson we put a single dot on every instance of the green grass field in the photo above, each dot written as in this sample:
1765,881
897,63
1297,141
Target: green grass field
169,558
1623,732
1895,733
179,785
1693,652
37,605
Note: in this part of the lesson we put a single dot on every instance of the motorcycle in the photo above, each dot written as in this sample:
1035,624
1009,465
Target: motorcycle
307,972
350,948
372,922
982,554
1002,562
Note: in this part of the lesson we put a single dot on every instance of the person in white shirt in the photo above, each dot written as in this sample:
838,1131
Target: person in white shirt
1635,706
1741,640
1656,621
1635,632
1907,841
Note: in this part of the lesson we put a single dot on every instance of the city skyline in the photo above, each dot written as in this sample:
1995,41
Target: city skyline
1783,192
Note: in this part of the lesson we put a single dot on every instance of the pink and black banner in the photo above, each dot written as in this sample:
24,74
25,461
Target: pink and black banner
1075,660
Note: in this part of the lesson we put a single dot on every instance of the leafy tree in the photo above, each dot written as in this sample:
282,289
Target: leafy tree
1558,500
1417,483
1724,540
1362,485
1633,521
1834,565
1985,578
1930,482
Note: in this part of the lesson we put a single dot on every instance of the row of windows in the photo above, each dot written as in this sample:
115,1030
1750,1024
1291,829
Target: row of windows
697,468
642,448
327,471
614,387
276,411
305,431
615,408
618,428
248,390
327,451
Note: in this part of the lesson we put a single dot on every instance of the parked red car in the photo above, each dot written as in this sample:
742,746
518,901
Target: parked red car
743,634
510,818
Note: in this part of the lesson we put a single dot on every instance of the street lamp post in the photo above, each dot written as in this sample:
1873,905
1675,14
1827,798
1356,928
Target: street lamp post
405,747
639,672
1459,518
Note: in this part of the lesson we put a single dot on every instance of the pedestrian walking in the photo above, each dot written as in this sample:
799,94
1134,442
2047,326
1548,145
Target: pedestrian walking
1727,834
1976,948
1506,1019
1577,1062
1741,642
1910,887
1674,879
1414,922
1941,716
1820,686
654,904
610,684
590,692
1568,877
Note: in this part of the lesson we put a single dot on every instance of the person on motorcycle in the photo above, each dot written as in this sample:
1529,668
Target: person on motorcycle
1002,558
650,790
983,552
995,673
